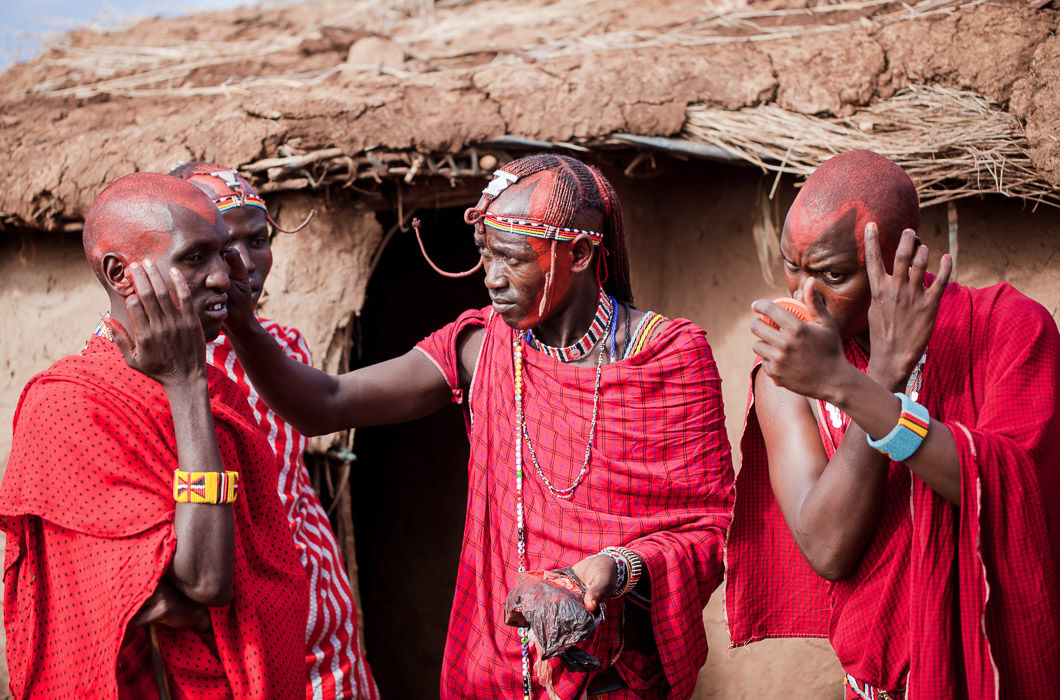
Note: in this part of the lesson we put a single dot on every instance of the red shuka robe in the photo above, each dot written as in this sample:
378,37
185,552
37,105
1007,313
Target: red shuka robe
954,601
660,482
87,505
333,654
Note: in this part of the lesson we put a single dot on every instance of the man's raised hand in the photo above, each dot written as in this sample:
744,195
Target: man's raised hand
165,340
902,313
799,356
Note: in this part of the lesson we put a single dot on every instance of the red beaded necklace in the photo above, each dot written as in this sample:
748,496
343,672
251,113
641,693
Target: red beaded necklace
605,310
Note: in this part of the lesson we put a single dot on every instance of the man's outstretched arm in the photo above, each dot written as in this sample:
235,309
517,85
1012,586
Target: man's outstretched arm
315,402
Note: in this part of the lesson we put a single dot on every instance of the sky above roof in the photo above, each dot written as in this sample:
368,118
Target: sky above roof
26,24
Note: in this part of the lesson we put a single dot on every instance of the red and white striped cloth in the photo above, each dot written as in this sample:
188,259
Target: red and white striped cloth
337,666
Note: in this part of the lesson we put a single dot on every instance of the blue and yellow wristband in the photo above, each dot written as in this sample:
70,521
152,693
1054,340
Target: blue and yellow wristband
905,438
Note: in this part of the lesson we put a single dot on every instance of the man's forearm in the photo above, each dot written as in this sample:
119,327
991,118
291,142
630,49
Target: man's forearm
302,395
875,408
203,561
839,514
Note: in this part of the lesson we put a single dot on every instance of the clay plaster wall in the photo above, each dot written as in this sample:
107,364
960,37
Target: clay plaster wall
692,255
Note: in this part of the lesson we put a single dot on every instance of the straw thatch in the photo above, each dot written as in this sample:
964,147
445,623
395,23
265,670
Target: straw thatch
356,95
952,143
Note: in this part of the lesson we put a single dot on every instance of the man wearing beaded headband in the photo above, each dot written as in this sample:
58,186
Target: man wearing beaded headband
908,527
146,548
336,662
597,440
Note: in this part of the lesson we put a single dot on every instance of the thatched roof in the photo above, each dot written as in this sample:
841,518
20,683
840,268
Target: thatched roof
355,93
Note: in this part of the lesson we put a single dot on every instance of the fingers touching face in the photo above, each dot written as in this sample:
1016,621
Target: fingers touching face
195,254
250,238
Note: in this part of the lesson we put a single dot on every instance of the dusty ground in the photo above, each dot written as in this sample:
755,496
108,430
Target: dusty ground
273,79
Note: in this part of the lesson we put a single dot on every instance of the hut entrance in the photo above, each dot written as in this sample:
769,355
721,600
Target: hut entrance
409,484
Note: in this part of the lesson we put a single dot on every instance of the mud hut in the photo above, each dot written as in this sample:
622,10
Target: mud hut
704,115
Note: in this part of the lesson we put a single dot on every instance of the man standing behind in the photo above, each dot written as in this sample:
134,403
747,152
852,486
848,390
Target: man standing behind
147,552
336,663
908,435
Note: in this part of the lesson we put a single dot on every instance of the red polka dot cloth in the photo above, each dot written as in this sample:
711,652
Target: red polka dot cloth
334,657
87,505
939,602
659,482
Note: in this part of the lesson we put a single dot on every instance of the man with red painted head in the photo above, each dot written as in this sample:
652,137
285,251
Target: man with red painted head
146,550
593,426
899,452
333,654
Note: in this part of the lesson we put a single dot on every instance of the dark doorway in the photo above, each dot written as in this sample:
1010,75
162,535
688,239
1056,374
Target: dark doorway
410,481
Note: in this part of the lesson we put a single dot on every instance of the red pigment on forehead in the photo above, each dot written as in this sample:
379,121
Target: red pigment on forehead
862,183
806,224
134,217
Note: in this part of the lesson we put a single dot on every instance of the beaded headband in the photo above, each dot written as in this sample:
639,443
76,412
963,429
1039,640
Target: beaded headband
231,201
537,228
242,195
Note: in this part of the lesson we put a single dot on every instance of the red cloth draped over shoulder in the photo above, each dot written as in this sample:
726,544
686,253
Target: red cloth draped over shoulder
977,572
660,482
87,506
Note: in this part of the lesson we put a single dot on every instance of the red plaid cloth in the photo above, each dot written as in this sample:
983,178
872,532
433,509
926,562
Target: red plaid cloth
660,482
333,654
87,505
973,574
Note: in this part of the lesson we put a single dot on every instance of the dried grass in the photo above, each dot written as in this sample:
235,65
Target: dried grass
952,143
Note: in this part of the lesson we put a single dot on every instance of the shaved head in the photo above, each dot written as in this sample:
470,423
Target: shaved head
135,216
849,191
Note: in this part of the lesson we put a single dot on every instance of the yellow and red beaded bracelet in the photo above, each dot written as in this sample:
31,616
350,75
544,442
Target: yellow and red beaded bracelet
215,488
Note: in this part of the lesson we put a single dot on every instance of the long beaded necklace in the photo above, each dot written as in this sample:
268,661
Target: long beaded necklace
567,493
605,309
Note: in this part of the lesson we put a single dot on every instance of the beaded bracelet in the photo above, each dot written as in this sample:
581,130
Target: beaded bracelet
632,563
214,488
906,437
623,572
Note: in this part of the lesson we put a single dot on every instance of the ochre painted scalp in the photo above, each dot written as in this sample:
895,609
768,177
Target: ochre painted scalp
861,185
198,173
563,186
133,219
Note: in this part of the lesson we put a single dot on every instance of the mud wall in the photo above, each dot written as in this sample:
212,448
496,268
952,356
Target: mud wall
693,256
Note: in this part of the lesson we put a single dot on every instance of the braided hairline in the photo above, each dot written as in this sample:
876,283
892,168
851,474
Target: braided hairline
575,186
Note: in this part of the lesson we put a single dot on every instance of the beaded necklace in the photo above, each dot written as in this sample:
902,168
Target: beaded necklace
522,434
605,309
